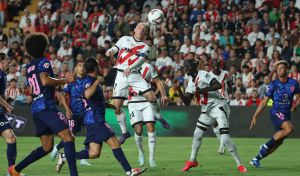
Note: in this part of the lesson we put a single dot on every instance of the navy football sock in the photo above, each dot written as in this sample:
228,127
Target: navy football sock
119,155
60,145
263,152
35,155
11,153
83,154
71,157
270,143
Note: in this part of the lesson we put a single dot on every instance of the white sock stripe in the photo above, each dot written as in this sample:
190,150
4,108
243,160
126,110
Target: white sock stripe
266,146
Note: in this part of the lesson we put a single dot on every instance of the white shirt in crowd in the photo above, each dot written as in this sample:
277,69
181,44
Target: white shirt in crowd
163,62
236,102
101,40
24,18
271,49
185,49
211,37
252,37
4,50
64,52
200,50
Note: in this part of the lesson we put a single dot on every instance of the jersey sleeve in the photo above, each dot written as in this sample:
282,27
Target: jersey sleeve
270,90
86,84
44,66
67,88
120,43
145,52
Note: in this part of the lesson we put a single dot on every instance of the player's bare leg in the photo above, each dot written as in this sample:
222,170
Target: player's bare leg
138,137
159,117
151,143
121,117
11,150
150,96
273,143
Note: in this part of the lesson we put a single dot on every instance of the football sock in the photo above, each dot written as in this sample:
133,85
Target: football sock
151,144
83,154
32,157
60,145
263,152
122,121
139,142
71,157
197,140
158,115
11,153
217,132
227,141
119,155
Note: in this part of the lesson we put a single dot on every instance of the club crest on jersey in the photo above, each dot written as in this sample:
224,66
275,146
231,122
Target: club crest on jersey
46,65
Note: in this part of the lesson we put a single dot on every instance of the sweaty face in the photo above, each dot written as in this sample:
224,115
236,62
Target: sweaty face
281,70
139,31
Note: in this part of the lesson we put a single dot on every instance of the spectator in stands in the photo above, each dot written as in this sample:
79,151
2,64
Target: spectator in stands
239,86
17,28
164,62
102,38
254,99
273,47
263,88
226,38
265,23
246,75
121,26
15,51
255,34
287,51
25,17
24,96
28,27
12,73
64,50
178,63
3,48
55,39
187,48
13,37
12,91
237,101
55,63
67,15
233,61
22,77
173,93
212,35
250,89
79,24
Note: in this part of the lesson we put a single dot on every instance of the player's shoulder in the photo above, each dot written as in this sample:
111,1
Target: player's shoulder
146,65
293,81
202,73
225,72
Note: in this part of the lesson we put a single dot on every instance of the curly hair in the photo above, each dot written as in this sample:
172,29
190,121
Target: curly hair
36,44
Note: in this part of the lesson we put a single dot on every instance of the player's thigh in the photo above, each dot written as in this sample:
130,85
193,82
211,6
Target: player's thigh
95,150
137,82
9,135
287,126
149,117
204,121
47,142
120,90
135,114
113,142
5,126
220,114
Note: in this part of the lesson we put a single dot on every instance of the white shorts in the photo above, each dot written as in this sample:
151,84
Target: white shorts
134,80
220,114
141,113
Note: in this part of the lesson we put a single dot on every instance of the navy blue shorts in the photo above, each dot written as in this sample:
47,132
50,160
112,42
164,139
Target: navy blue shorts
4,123
278,118
98,132
49,121
76,123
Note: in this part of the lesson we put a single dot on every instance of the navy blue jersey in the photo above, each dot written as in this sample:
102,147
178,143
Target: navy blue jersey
282,93
2,89
43,96
96,102
77,102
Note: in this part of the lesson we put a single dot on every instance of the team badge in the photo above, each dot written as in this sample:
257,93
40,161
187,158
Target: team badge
46,65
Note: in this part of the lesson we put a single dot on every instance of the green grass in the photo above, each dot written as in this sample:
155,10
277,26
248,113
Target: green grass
171,154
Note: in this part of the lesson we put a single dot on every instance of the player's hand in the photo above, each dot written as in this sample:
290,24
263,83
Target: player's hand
164,100
127,71
70,77
9,109
253,123
108,53
69,114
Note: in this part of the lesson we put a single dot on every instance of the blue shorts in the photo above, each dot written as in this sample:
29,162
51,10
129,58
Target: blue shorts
77,123
98,132
4,123
49,121
278,118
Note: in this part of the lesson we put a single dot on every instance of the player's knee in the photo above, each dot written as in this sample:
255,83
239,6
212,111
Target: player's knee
289,131
94,154
11,138
68,138
48,148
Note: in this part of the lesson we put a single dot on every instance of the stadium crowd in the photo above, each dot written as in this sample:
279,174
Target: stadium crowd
248,37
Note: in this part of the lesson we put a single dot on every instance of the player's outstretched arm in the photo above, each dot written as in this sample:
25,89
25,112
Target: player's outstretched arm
7,106
213,86
259,109
64,102
112,51
49,81
92,89
297,103
186,98
161,89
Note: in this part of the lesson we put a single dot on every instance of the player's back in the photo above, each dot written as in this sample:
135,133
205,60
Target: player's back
43,96
282,93
129,51
77,102
97,101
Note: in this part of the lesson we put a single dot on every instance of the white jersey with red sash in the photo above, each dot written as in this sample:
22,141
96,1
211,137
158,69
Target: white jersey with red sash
223,79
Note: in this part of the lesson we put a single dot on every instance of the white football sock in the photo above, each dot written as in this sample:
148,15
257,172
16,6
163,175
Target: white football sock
151,144
139,142
122,121
197,140
217,132
231,148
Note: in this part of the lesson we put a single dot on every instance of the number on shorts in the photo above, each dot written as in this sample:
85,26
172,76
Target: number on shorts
33,82
115,87
132,114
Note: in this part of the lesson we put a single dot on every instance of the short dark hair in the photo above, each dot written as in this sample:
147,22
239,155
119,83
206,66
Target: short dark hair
3,56
36,44
91,64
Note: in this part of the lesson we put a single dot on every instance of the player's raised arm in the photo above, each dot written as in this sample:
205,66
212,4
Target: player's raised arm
213,86
64,102
161,89
89,91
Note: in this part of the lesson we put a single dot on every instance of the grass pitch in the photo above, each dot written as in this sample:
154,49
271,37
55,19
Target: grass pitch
171,153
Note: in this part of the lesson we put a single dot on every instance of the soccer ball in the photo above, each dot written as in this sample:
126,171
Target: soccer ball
155,16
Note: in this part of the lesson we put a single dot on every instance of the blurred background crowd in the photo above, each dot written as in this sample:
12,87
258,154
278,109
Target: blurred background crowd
248,36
